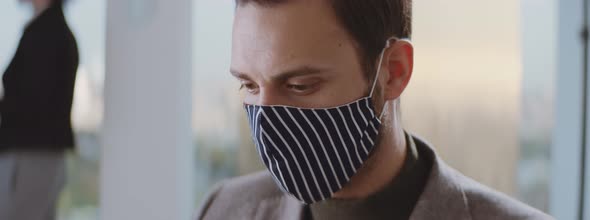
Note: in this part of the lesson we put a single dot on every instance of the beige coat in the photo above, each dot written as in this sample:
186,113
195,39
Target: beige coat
448,195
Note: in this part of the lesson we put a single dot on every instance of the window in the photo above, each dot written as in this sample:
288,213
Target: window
79,199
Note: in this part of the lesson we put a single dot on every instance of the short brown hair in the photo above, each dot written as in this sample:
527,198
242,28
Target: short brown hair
369,22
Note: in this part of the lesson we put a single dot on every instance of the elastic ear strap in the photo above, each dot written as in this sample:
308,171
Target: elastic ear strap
387,45
378,71
383,110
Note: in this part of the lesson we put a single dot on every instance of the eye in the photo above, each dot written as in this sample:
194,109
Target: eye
303,88
250,87
299,88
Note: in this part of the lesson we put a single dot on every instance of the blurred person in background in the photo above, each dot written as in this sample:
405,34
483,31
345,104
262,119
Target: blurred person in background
35,127
323,80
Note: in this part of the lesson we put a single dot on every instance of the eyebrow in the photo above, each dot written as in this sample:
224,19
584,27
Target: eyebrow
284,76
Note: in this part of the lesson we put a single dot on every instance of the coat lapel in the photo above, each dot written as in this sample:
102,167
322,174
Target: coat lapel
442,197
281,207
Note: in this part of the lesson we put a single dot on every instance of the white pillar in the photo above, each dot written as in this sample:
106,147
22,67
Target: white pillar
565,151
146,144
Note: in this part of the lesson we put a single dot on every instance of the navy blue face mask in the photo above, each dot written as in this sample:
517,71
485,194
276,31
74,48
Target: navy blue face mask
313,152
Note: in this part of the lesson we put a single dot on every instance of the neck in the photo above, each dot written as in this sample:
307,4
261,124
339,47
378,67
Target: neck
384,163
40,6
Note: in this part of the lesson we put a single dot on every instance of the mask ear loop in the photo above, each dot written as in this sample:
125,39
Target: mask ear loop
378,69
387,45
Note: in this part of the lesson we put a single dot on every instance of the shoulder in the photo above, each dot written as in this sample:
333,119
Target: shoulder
255,186
486,203
238,196
466,195
49,30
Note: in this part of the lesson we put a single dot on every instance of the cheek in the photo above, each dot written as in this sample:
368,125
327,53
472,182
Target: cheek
356,88
249,99
342,90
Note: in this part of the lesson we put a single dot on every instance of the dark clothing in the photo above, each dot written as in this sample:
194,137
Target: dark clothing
39,87
396,201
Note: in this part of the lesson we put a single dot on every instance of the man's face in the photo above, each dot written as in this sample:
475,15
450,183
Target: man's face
295,54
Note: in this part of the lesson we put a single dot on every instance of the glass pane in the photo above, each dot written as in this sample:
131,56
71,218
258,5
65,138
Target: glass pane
538,91
223,149
464,95
79,200
472,95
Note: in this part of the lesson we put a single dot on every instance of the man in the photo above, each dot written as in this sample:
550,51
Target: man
323,80
35,128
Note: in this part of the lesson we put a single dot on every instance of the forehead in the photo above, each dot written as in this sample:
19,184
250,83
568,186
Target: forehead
291,33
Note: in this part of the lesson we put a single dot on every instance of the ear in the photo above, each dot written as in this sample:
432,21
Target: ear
396,69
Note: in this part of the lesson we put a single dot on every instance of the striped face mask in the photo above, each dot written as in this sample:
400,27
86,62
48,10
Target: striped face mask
313,152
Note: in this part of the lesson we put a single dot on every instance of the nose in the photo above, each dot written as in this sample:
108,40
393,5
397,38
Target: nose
267,96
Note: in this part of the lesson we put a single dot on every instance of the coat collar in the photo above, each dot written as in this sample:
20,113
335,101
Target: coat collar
442,198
